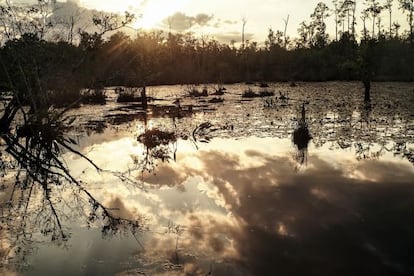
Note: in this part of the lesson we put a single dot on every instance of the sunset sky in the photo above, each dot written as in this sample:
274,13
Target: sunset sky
224,21
221,19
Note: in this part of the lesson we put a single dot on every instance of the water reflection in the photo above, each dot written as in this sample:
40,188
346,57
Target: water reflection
301,138
217,190
266,220
39,190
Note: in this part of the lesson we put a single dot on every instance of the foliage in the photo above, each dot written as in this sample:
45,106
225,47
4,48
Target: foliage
150,59
39,73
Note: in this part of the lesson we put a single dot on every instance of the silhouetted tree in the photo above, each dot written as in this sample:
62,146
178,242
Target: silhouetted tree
388,6
348,10
104,58
274,39
17,20
244,21
364,17
367,64
407,6
318,16
286,21
336,11
305,32
374,9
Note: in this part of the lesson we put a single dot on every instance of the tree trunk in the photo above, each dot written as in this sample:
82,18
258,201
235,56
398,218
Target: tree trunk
367,93
373,27
144,99
390,23
284,33
8,116
353,20
336,28
411,25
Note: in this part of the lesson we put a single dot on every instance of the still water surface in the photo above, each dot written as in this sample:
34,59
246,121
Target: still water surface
235,190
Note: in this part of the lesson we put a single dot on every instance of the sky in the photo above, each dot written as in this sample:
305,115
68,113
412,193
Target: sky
222,19
225,16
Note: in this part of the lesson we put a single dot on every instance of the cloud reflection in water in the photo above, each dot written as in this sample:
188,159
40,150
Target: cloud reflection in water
244,211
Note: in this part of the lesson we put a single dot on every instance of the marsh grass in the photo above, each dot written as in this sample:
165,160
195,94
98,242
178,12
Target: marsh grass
249,93
128,95
193,91
94,96
264,92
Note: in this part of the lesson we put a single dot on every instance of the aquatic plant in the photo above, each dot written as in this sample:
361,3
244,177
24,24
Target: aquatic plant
128,94
192,91
93,96
249,93
266,93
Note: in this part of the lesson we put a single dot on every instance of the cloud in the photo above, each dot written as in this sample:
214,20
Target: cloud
167,175
117,208
303,218
202,19
319,218
76,2
230,22
232,36
219,23
181,22
69,15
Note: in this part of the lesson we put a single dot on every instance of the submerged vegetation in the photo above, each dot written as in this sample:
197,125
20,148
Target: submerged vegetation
93,96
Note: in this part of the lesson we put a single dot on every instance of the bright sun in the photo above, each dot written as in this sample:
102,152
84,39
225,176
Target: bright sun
152,12
157,10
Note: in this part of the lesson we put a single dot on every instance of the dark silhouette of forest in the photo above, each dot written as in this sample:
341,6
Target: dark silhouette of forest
156,58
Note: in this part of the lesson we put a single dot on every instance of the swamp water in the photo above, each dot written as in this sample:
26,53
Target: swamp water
311,181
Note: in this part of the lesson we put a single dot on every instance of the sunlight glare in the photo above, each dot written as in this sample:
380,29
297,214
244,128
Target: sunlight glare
157,10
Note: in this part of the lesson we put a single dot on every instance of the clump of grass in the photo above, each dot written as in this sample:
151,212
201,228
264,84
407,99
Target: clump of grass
192,91
249,93
64,98
94,96
266,93
128,95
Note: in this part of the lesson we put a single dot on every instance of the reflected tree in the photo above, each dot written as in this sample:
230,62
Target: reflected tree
161,144
301,137
156,147
37,181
